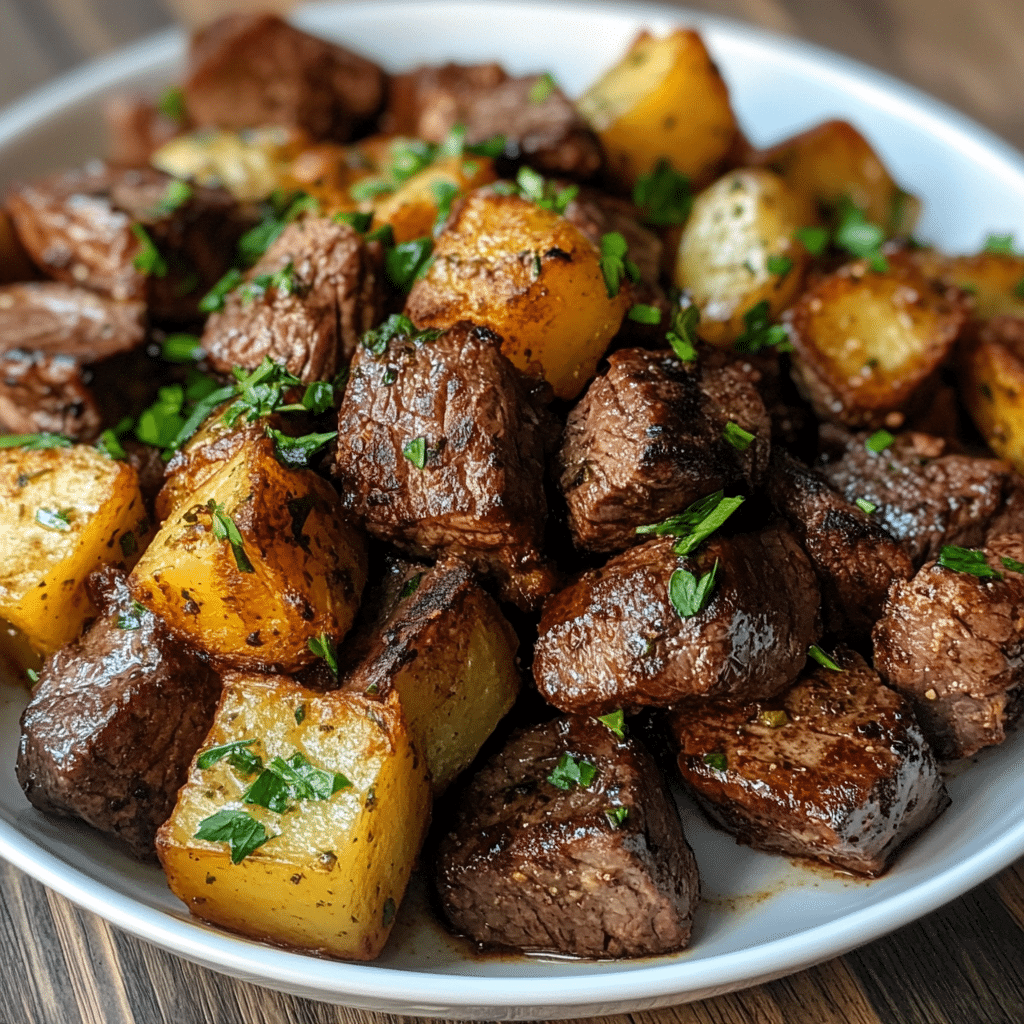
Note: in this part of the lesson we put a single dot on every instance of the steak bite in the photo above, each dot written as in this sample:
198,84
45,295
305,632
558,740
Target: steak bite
251,70
836,768
538,121
304,304
855,558
923,496
614,638
112,726
440,450
46,394
593,864
953,643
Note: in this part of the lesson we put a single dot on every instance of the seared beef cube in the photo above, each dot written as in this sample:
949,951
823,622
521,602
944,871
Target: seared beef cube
614,638
84,228
835,769
539,122
922,496
854,557
250,70
593,864
115,720
46,394
441,451
136,128
304,304
953,643
646,441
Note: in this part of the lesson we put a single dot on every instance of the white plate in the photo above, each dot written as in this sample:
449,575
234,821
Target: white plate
762,916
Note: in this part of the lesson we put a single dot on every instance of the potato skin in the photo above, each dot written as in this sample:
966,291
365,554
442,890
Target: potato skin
43,568
334,873
309,565
663,100
531,277
991,279
738,224
867,345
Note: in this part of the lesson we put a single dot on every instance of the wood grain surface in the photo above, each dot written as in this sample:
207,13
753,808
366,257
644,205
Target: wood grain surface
963,964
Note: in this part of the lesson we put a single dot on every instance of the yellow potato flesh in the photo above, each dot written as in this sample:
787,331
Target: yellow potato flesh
992,388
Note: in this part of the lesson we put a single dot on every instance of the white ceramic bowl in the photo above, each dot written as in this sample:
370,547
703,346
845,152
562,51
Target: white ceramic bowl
762,917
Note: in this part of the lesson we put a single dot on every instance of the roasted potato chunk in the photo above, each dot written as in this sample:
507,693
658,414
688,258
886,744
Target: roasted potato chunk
442,643
867,344
63,513
664,100
831,162
312,845
530,276
258,564
995,280
738,250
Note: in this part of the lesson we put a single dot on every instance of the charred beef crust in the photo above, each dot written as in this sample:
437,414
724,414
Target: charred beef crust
842,774
613,639
855,558
953,644
46,394
538,868
479,495
547,133
645,441
924,497
312,327
246,71
115,720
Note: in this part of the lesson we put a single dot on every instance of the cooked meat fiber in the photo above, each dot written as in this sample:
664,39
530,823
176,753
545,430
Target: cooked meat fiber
440,450
595,870
327,293
539,124
953,643
115,720
251,70
855,558
836,768
46,394
646,441
613,639
78,228
924,497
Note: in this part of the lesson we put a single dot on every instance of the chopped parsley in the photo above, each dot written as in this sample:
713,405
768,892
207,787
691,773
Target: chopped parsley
224,528
282,783
300,714
663,195
813,239
999,245
367,189
172,104
407,262
696,523
1012,564
739,438
213,300
815,652
879,441
1018,289
616,816
571,771
34,442
394,328
779,265
642,314
542,88
444,193
716,760
615,263
181,348
178,193
760,333
57,519
682,335
615,722
162,422
967,560
354,219
690,596
110,442
410,586
409,157
237,754
280,210
867,507
416,452
295,452
282,282
535,188
324,647
859,237
240,830
148,258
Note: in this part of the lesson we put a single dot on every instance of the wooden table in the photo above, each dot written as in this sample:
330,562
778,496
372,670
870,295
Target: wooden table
963,964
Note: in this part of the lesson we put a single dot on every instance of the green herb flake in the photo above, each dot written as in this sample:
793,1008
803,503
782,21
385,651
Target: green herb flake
696,523
616,816
879,441
237,754
493,147
319,396
867,507
241,831
641,314
444,193
324,647
716,760
759,333
663,196
542,88
410,586
224,528
296,452
815,652
813,239
416,452
1018,289
690,596
968,560
615,263
132,619
178,193
282,783
368,189
535,188
571,771
779,265
357,221
172,105
407,262
859,237
739,438
32,674
213,300
682,335
773,719
999,245
148,259
181,348
110,446
300,714
129,545
409,157
615,722
54,519
34,442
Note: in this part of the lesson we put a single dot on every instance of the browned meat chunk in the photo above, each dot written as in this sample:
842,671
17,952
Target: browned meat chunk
835,769
922,496
136,128
46,394
615,639
953,643
249,70
304,304
854,557
646,441
115,720
596,867
538,121
440,450
129,234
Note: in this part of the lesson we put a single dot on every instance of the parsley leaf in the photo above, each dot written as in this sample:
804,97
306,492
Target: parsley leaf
354,219
324,647
571,771
879,441
409,157
616,816
295,452
615,263
696,523
110,444
238,755
859,237
815,652
148,258
967,560
779,265
999,245
161,423
813,239
407,262
241,831
281,783
867,507
213,300
34,442
411,586
663,195
535,188
132,619
682,335
224,528
1012,564
739,438
444,193
716,760
282,209
642,314
760,333
690,596
181,348
178,193
416,452
172,104
367,189
615,722
542,88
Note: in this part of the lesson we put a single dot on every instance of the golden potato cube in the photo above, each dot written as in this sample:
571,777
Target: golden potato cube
738,250
665,100
444,646
996,280
293,573
63,513
334,865
832,162
529,275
